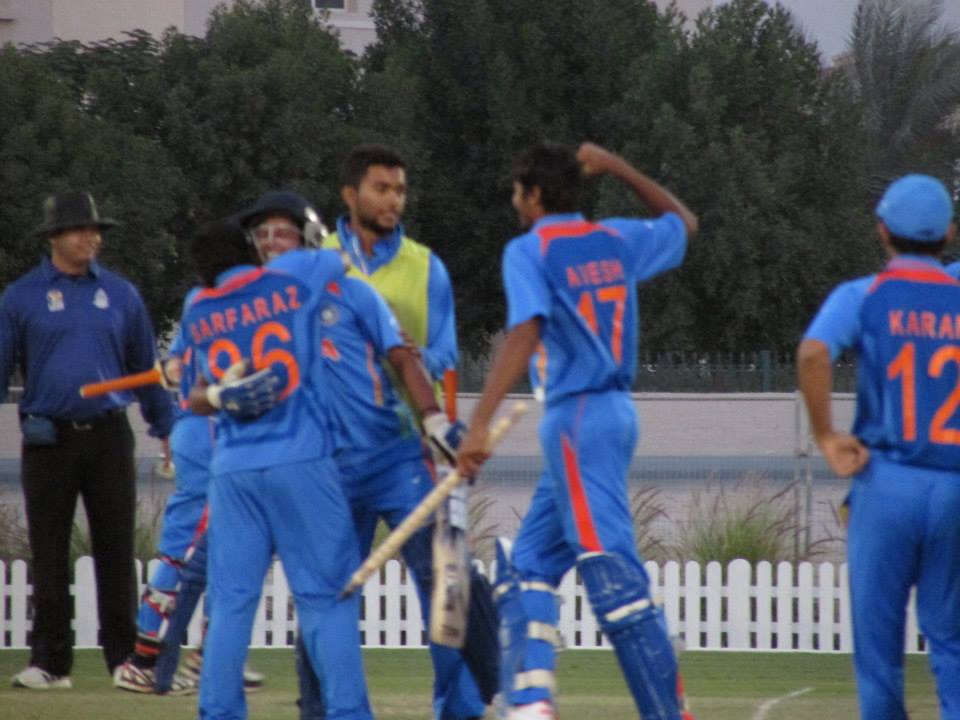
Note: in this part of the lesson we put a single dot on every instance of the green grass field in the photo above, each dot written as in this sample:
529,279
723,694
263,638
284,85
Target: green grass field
721,686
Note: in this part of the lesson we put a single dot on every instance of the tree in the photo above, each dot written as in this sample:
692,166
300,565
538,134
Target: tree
49,143
740,121
467,85
263,101
904,66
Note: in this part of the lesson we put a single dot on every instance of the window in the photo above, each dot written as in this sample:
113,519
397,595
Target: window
329,4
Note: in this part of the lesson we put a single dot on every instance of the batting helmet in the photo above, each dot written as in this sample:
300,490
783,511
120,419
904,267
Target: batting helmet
288,203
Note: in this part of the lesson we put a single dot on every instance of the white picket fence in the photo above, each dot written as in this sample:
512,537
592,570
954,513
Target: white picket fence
782,607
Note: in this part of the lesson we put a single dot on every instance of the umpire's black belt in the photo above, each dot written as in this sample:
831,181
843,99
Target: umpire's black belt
105,418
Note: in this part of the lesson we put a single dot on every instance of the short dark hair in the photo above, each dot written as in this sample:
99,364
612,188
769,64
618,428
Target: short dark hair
905,246
555,170
362,157
218,246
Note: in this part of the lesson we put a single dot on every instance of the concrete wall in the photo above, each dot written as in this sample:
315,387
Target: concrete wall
693,447
672,424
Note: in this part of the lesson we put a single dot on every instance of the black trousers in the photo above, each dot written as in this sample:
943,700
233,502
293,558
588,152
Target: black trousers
94,461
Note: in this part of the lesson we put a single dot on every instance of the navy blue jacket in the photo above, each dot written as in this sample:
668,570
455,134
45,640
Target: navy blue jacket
63,331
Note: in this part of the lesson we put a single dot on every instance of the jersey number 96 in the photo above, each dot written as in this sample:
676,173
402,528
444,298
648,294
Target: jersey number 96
224,352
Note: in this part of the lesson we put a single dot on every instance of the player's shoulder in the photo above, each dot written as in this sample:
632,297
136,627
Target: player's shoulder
308,260
350,289
526,242
527,247
643,225
414,247
852,293
856,285
192,295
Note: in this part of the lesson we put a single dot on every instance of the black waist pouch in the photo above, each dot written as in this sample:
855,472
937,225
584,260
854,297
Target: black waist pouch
38,430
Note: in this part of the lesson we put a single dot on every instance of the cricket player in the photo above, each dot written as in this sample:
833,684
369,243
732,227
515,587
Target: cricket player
383,469
904,450
572,316
192,447
272,467
293,224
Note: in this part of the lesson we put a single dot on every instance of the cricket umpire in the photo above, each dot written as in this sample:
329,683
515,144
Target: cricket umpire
67,322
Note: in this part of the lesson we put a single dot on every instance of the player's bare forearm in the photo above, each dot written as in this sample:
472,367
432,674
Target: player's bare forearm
508,367
198,400
815,379
596,160
844,453
414,376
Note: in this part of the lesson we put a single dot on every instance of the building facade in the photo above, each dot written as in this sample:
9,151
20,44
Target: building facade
33,21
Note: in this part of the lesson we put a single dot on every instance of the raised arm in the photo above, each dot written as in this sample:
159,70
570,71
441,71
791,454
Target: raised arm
595,160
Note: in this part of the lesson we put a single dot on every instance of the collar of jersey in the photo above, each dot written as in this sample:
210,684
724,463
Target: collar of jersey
51,272
384,249
237,270
905,262
556,218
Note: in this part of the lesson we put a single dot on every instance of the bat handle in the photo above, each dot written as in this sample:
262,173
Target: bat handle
450,394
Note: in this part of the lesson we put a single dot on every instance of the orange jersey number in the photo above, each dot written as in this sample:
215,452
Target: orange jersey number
903,366
616,294
224,352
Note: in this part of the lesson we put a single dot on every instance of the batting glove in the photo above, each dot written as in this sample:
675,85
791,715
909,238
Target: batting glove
251,396
444,436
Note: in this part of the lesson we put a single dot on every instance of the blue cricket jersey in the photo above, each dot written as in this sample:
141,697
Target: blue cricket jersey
580,277
375,428
904,325
268,315
65,331
192,434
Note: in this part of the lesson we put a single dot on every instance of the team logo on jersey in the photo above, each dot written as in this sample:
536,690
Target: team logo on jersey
54,300
329,315
101,300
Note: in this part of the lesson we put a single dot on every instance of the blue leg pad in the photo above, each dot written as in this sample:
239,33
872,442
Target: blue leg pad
159,598
528,619
620,596
193,583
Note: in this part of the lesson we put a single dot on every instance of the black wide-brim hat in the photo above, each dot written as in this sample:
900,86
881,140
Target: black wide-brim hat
69,210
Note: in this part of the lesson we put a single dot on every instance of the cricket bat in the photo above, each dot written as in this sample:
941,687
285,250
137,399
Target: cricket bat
450,600
419,516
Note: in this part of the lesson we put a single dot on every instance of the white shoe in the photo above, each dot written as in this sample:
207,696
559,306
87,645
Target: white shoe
192,667
539,710
36,678
183,685
128,676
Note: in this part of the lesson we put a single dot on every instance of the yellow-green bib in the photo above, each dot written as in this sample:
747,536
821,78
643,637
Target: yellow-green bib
403,283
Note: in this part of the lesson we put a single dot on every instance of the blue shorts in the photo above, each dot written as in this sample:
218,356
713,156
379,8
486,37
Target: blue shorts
904,532
581,502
